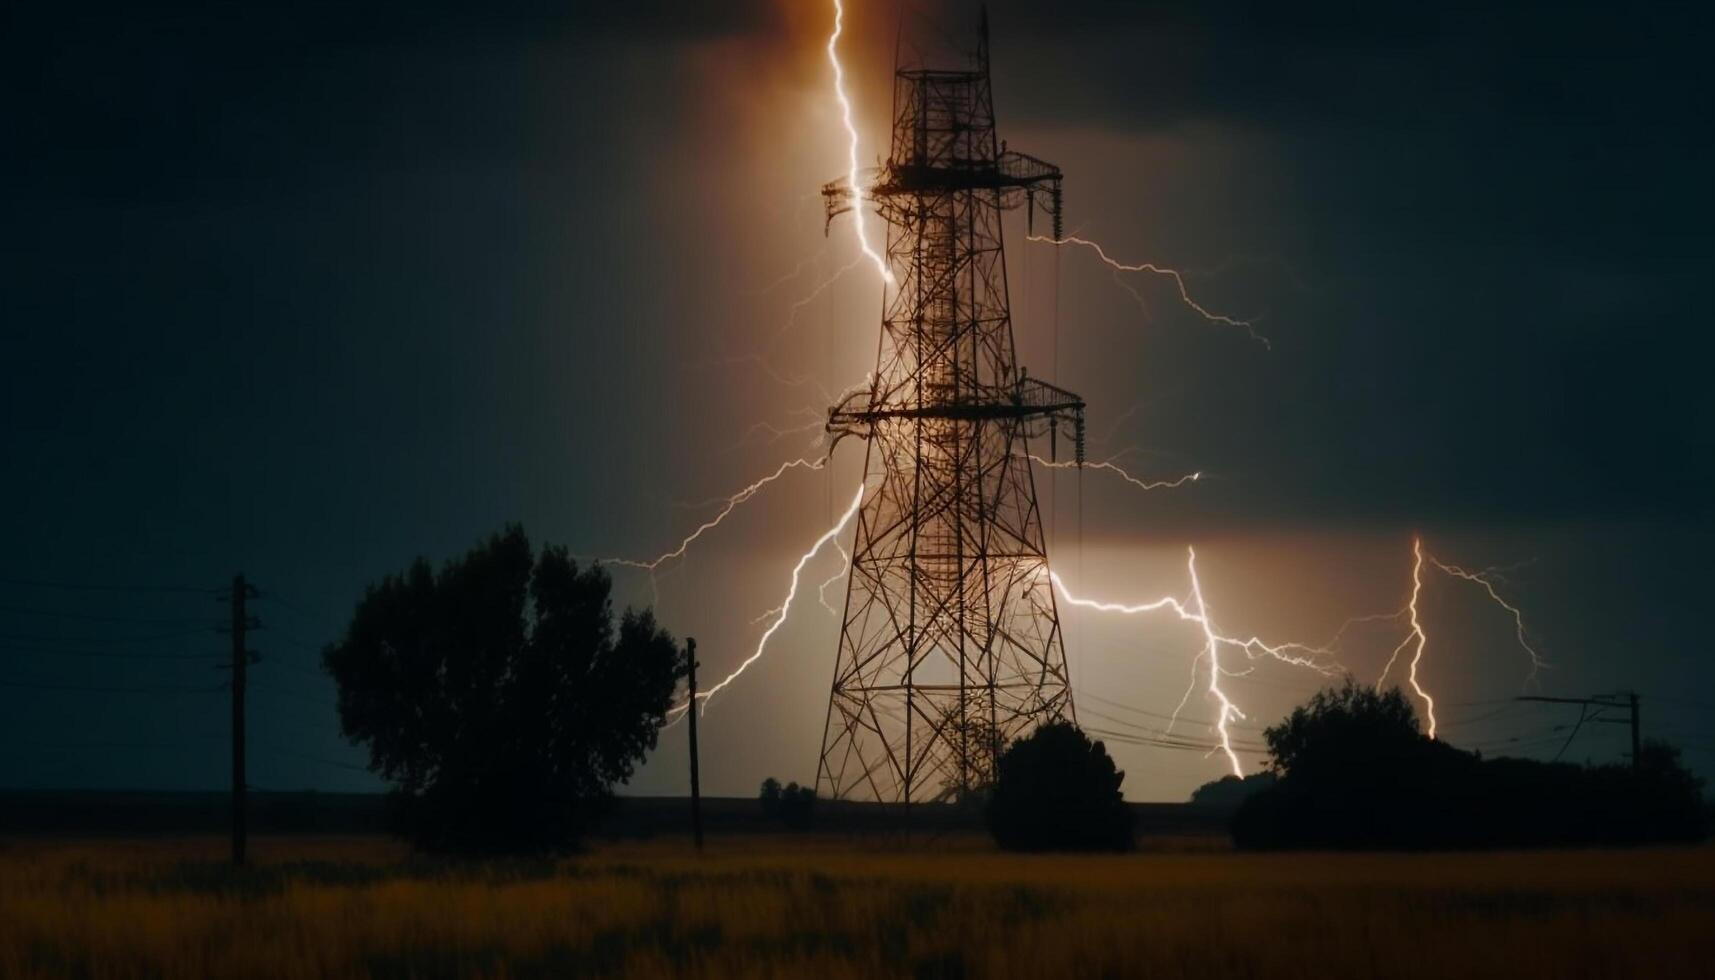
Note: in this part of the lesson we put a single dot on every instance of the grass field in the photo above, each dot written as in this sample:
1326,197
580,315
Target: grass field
808,908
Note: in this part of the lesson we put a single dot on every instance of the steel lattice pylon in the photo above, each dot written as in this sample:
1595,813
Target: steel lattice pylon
950,643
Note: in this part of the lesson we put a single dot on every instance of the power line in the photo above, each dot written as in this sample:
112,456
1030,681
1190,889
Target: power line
272,596
1686,702
27,748
295,640
127,638
321,699
91,618
1510,706
112,654
278,749
307,672
107,689
1158,733
1583,713
1173,743
1085,695
103,587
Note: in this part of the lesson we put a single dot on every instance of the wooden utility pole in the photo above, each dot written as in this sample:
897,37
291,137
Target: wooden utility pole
240,662
239,657
691,710
1636,745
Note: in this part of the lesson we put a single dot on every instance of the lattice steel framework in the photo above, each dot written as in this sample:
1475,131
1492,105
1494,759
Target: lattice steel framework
951,642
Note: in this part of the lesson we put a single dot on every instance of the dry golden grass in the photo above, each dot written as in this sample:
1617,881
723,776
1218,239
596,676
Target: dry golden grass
807,908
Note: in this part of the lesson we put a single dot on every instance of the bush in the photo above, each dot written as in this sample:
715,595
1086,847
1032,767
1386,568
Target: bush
793,805
1056,790
1227,794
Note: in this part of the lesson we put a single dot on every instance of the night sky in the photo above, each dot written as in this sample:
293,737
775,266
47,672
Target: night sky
305,291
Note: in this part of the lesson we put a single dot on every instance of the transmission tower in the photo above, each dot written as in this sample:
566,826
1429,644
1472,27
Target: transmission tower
950,643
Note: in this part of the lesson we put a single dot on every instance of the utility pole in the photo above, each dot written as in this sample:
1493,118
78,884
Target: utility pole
1632,697
1627,701
241,622
691,710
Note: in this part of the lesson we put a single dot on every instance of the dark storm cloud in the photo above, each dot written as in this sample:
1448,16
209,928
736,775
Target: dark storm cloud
1508,205
140,102
1392,64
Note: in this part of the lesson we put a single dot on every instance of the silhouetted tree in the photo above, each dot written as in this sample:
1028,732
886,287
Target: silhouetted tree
1342,727
498,697
792,805
1055,790
770,797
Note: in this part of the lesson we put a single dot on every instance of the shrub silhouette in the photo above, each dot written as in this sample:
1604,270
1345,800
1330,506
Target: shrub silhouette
1227,794
498,697
1055,790
1355,772
792,805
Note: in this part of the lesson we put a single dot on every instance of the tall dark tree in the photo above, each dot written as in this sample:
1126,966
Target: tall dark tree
1342,728
1055,790
498,697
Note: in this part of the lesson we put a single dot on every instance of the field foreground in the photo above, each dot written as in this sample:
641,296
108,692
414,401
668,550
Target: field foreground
791,907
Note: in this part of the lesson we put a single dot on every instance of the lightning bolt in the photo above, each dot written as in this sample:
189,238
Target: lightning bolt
797,270
1416,638
731,504
1212,650
776,433
780,612
1249,326
1195,610
845,566
1537,662
762,364
852,176
803,302
1109,464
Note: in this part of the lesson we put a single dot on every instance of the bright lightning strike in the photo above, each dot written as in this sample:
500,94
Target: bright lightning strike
1249,326
1212,650
1417,638
1536,660
802,303
797,270
1317,658
1109,464
840,573
732,503
852,175
781,611
775,433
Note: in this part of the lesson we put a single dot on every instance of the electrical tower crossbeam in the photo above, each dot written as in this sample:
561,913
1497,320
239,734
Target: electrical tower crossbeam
950,641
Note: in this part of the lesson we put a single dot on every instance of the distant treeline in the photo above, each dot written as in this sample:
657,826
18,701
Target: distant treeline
1354,772
143,812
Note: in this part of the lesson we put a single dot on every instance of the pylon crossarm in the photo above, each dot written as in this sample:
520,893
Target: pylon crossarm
837,195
